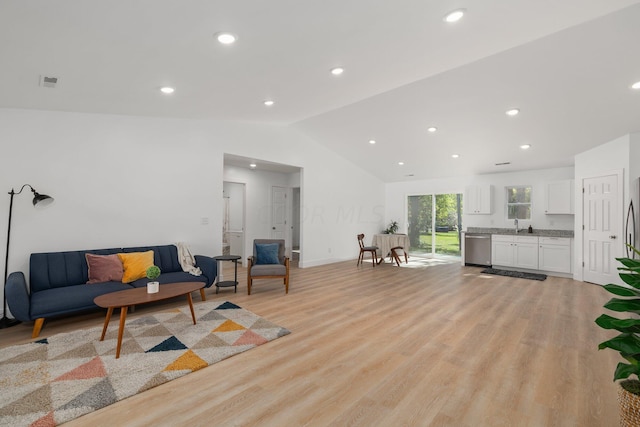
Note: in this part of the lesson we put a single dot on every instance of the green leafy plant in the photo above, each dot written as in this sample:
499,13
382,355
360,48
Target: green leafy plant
392,228
153,272
627,343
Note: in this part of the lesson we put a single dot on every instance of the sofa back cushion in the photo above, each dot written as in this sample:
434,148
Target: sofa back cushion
58,269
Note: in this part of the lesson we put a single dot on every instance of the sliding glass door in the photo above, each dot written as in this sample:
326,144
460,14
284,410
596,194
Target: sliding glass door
435,221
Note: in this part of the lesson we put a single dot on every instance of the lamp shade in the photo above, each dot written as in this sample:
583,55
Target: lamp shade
41,200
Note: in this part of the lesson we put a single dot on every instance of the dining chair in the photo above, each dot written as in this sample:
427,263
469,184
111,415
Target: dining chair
394,255
363,249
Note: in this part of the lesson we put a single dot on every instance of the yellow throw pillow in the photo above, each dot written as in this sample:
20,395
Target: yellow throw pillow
135,265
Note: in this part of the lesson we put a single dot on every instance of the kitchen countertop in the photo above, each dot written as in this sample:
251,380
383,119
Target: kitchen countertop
522,232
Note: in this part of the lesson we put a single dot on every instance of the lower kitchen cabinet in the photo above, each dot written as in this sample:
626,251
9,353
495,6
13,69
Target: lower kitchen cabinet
514,251
554,254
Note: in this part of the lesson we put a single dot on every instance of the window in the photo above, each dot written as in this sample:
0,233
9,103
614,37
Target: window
519,202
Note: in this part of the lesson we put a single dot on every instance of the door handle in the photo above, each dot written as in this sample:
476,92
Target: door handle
273,228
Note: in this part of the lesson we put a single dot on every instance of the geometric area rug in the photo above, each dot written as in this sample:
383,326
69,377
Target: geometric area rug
56,379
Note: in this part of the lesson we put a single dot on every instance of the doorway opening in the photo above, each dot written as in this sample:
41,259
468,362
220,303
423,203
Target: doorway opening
272,198
233,217
435,224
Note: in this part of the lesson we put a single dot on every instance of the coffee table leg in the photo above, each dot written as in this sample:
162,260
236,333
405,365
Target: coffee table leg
123,318
193,315
106,322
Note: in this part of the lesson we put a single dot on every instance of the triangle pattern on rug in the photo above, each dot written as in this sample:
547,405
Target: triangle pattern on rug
38,353
250,337
98,396
188,361
39,398
86,350
227,306
92,369
169,344
228,326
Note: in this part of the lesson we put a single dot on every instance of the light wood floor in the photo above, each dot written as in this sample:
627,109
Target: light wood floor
389,346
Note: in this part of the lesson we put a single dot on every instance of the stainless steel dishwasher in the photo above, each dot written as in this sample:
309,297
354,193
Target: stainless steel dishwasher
477,249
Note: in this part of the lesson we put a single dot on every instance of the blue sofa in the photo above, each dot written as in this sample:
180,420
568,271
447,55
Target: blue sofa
58,282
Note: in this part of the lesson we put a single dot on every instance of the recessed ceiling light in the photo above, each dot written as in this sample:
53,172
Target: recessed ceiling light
167,89
455,156
226,38
525,146
372,141
253,165
513,112
337,71
454,16
432,129
636,85
269,103
401,163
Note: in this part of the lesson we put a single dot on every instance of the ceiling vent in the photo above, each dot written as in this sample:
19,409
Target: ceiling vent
46,81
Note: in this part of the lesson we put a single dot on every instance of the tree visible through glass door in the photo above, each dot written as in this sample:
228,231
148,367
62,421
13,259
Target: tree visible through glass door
435,224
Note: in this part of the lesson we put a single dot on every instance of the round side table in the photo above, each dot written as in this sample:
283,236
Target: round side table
229,283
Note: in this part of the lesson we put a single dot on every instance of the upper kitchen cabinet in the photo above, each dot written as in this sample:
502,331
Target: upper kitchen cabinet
478,199
559,197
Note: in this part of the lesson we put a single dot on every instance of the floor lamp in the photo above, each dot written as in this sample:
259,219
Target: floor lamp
39,200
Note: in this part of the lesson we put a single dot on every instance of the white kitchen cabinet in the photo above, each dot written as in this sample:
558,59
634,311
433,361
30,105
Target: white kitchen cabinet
501,250
514,251
559,197
554,254
478,199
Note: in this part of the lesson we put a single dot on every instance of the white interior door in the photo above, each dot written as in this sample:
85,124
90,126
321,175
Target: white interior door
601,228
278,212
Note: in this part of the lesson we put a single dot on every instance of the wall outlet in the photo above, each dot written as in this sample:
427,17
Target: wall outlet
204,220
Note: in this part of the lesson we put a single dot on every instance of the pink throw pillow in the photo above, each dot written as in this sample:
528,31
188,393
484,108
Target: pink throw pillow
104,268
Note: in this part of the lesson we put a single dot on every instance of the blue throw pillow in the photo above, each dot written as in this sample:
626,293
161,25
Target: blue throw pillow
267,253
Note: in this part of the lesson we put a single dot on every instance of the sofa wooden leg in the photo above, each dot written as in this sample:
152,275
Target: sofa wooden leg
202,295
37,326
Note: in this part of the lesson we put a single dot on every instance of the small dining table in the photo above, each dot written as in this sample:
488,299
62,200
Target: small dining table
385,242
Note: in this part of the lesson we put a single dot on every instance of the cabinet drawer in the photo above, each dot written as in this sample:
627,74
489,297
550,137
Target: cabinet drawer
564,241
526,239
501,238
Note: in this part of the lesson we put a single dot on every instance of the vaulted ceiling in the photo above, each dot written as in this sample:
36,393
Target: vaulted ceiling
568,66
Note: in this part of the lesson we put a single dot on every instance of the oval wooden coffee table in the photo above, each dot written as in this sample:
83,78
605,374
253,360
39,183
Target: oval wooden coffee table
138,296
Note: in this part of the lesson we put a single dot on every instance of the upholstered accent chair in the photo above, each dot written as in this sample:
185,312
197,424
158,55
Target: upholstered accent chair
268,262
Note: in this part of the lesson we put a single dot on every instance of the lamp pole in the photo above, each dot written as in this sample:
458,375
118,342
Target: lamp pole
41,199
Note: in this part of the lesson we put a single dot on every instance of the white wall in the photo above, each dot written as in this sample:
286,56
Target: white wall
396,208
122,181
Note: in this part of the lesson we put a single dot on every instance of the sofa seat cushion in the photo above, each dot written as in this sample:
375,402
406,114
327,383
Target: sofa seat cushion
175,277
56,301
268,270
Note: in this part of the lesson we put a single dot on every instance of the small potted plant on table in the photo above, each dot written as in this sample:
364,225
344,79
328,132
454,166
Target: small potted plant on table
627,343
153,273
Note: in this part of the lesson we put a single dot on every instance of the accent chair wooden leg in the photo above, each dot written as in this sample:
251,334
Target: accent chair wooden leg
249,282
202,295
37,326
